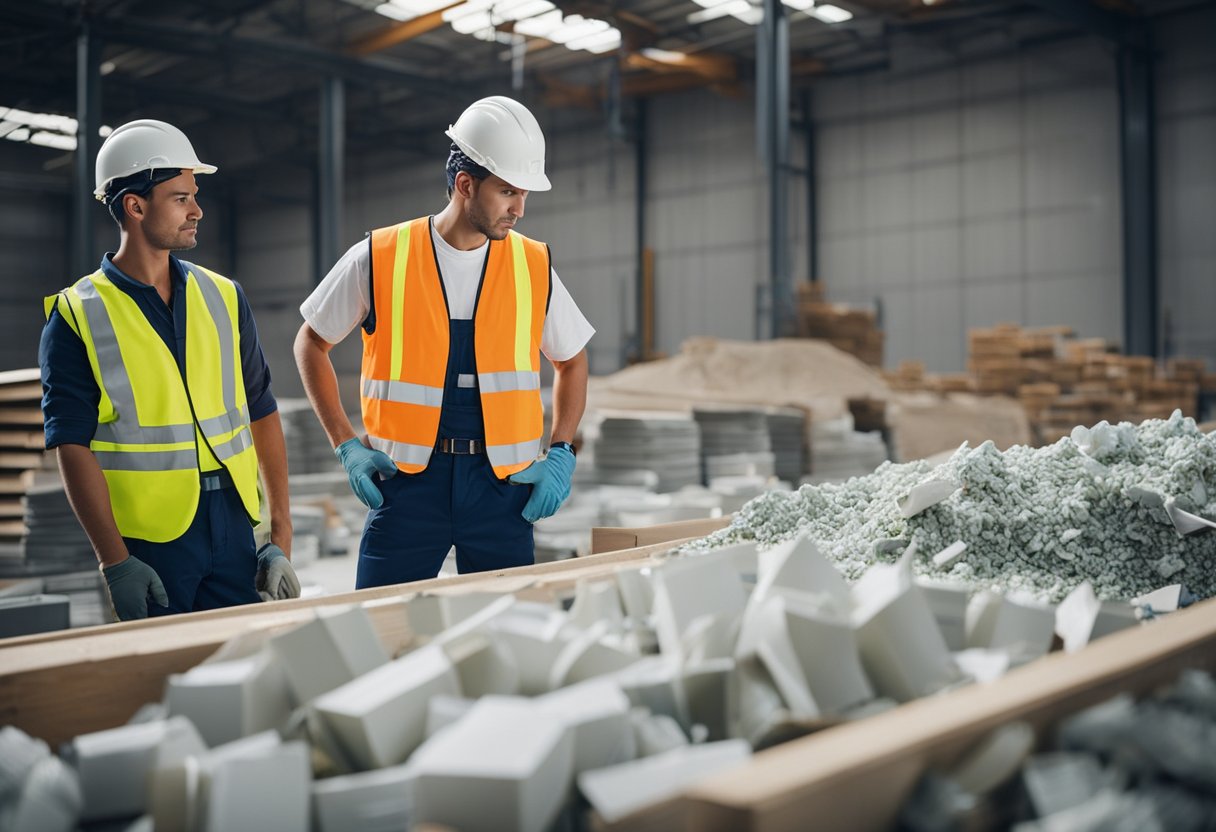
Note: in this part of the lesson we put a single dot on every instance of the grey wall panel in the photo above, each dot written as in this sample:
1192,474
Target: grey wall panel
983,180
1186,143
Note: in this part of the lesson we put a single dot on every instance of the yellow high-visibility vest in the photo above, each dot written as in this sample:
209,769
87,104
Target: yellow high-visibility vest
155,432
405,359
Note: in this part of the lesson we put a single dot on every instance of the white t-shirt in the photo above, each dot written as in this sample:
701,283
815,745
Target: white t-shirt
343,299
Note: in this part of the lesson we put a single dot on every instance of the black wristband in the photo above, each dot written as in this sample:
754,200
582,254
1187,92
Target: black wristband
565,445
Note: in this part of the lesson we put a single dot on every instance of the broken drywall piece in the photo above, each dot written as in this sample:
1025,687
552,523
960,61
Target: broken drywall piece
949,602
424,615
444,710
506,766
231,699
1162,601
331,650
827,653
1019,624
1081,618
799,565
617,791
690,587
982,664
114,765
950,554
482,618
371,801
902,650
655,733
1184,521
534,645
754,704
597,714
586,656
267,791
484,664
709,637
705,692
43,797
380,718
744,557
456,607
636,590
653,682
596,601
925,495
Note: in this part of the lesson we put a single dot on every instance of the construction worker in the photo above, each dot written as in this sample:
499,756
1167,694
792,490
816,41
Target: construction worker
157,396
455,310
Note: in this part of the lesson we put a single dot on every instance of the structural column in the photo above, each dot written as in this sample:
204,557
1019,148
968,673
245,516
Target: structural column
88,123
1137,135
332,151
773,141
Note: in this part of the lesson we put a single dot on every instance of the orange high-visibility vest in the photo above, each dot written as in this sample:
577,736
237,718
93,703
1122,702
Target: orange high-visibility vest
405,358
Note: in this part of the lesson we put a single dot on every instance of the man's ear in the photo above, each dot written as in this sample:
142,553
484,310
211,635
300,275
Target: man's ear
132,206
465,184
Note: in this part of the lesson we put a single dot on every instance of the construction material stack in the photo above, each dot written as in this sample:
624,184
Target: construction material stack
852,330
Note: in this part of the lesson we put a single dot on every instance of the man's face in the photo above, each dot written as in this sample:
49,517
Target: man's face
495,206
171,214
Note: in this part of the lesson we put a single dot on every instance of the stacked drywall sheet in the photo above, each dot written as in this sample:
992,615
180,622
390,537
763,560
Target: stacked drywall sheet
534,707
839,452
787,436
734,442
668,445
308,448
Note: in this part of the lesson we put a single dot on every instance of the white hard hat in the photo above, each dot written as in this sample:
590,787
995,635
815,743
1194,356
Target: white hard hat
144,145
502,136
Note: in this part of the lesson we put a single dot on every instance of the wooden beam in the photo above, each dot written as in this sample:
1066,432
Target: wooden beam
403,31
712,66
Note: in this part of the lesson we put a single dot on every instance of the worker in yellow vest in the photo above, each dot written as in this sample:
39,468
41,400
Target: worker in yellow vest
456,310
157,396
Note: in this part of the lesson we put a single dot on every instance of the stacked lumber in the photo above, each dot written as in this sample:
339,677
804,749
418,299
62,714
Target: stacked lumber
1063,381
20,447
852,330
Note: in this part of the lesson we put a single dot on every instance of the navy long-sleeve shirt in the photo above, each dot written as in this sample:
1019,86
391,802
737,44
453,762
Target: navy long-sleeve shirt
70,395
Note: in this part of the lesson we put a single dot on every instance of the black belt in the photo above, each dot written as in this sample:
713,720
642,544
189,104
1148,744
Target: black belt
461,446
215,480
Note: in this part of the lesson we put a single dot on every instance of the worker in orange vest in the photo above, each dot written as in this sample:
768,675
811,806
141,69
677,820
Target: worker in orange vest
456,310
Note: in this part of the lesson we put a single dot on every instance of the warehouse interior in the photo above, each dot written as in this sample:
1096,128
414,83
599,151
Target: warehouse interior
902,395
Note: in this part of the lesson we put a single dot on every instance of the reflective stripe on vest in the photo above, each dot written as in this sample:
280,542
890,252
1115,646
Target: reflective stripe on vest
405,357
152,469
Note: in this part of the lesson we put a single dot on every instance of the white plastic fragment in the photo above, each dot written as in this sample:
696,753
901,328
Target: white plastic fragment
533,635
380,718
1020,624
232,699
371,801
636,590
1081,618
586,656
597,713
506,766
902,650
616,791
266,790
484,664
1166,599
949,602
925,495
798,565
653,682
456,607
689,588
444,710
1184,521
114,765
655,733
328,651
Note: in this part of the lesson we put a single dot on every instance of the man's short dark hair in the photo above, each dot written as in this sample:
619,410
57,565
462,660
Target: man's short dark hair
457,162
140,184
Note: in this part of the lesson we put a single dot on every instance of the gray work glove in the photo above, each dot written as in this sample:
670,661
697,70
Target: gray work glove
276,579
130,583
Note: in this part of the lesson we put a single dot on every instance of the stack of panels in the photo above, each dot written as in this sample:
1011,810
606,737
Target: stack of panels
21,451
54,541
670,446
89,603
787,435
741,435
308,448
840,455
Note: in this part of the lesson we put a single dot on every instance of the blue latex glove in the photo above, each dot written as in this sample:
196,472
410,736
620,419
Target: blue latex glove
130,583
362,464
550,479
276,579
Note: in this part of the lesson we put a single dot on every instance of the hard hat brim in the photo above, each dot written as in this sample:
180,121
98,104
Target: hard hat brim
99,193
